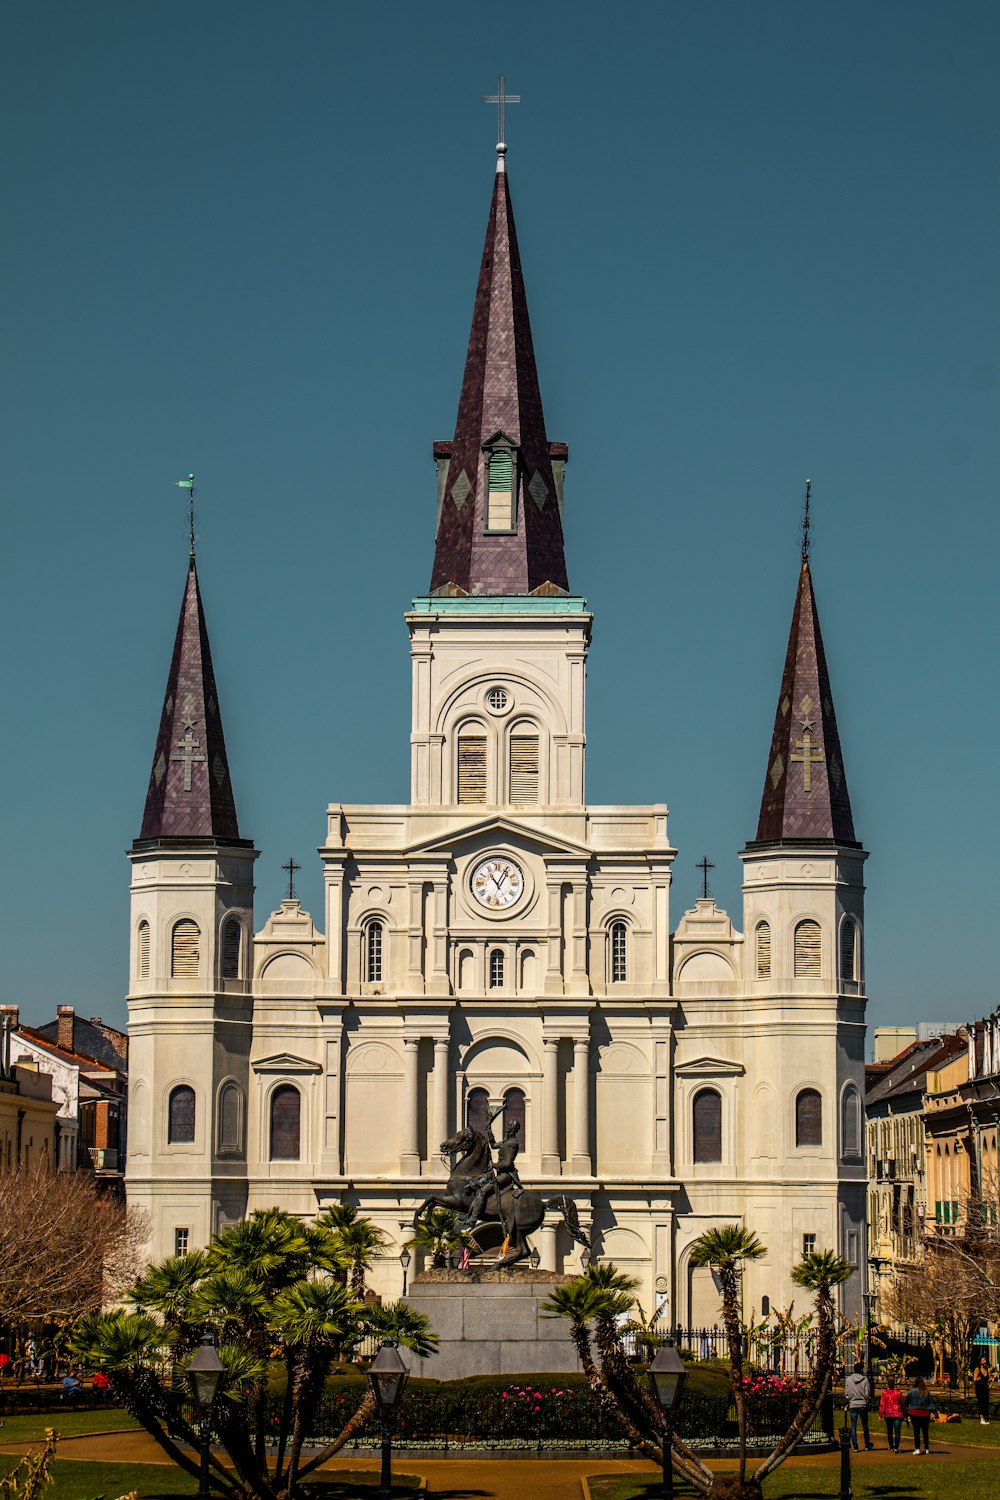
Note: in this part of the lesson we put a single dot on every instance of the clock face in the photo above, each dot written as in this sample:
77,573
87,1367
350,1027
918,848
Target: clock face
497,882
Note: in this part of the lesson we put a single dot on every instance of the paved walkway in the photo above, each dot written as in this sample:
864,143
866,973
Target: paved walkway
493,1479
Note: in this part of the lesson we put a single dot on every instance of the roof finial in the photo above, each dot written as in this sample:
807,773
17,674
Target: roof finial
806,523
501,98
188,484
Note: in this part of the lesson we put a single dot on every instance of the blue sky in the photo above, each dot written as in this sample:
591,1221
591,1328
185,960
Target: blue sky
760,244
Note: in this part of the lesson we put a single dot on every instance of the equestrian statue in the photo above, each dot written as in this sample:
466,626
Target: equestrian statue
482,1190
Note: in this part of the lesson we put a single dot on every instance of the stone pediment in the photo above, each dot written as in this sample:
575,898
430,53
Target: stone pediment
709,1067
286,1062
509,828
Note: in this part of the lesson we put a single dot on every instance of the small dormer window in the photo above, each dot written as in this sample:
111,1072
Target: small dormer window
500,472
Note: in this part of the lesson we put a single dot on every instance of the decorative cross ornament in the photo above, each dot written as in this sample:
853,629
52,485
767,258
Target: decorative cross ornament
704,866
810,753
500,99
190,753
291,867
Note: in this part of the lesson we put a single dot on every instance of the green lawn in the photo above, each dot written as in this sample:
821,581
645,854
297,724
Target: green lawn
75,1479
906,1478
26,1429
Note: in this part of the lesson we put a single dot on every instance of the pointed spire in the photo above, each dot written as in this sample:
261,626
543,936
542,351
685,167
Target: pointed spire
805,791
500,412
190,794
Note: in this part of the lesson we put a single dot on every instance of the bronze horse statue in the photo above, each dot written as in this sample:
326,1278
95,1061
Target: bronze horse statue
519,1214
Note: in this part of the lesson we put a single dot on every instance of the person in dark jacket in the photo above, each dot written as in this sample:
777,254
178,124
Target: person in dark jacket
857,1394
981,1386
920,1407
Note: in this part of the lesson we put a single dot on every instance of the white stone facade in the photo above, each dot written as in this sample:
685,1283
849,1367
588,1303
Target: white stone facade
611,1021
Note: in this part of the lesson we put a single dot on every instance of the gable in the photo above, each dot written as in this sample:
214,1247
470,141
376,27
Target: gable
540,839
285,1062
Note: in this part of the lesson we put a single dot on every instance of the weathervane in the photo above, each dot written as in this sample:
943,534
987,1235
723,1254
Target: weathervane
501,98
188,484
291,867
806,522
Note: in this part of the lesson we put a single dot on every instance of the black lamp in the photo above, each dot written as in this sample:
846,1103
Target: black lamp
585,1257
205,1374
668,1377
404,1261
535,1259
388,1376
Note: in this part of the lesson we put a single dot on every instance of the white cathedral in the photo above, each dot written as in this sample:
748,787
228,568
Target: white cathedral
500,939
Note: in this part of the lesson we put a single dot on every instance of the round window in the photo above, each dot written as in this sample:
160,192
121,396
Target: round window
497,699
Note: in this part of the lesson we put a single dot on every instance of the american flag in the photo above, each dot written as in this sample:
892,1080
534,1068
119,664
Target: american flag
463,1264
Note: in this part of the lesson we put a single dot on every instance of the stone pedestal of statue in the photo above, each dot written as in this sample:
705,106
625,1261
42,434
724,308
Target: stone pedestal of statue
491,1323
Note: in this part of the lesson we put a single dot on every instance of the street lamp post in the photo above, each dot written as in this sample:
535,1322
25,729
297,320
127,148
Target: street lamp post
388,1376
404,1261
205,1374
667,1376
585,1258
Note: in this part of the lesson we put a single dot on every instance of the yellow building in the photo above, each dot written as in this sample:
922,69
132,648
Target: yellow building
961,1119
27,1118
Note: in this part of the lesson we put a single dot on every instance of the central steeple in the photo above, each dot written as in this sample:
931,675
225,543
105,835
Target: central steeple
500,479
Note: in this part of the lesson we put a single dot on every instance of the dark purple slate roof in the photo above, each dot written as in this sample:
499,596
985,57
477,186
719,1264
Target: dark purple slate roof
190,794
805,790
500,394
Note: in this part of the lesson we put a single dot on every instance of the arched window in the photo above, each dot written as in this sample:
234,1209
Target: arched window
618,938
851,1133
808,1118
477,1110
180,1116
513,1112
230,1118
231,935
500,491
848,951
496,969
185,950
808,950
286,1112
472,767
523,768
706,1112
143,950
764,950
373,953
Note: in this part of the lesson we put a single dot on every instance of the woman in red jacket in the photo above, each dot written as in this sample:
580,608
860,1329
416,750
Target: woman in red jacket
891,1409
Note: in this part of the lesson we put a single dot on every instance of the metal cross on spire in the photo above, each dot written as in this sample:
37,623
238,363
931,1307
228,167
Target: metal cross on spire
806,522
704,865
501,99
188,484
291,867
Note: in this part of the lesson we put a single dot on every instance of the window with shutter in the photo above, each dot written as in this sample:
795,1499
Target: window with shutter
764,951
373,953
185,950
848,951
808,1118
472,768
286,1106
513,1112
180,1116
496,969
143,950
231,949
619,954
808,951
477,1110
524,768
707,1120
500,493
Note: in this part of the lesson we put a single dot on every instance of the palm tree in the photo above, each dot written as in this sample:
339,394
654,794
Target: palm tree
438,1235
818,1272
362,1243
725,1250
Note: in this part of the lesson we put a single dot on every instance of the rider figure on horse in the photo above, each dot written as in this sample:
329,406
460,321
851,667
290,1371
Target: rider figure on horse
502,1174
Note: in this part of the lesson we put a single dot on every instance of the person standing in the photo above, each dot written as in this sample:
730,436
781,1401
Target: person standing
920,1407
857,1394
891,1410
981,1387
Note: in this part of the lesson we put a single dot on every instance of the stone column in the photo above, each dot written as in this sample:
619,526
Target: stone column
548,1241
581,1106
550,1106
554,943
440,1086
410,1157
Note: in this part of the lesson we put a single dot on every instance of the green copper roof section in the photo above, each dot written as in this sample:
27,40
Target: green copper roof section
500,604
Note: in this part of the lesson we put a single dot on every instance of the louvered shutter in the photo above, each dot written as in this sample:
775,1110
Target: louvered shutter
808,1119
500,496
185,951
808,951
764,951
143,950
524,768
231,950
848,946
707,1111
472,768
